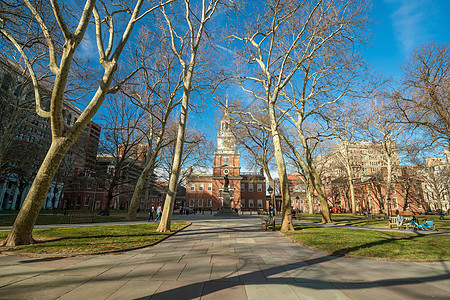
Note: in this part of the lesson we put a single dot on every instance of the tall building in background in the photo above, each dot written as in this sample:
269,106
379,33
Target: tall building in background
25,138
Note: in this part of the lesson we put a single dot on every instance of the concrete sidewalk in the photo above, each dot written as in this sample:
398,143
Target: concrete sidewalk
218,258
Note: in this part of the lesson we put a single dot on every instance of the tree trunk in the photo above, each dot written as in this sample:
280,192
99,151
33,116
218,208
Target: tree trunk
310,197
166,219
21,232
352,195
286,223
137,194
325,212
388,186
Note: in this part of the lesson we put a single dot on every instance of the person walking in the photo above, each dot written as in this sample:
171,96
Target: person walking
158,213
150,214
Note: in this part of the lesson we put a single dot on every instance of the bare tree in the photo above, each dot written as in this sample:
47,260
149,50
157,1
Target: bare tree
425,98
386,130
303,46
345,123
157,93
122,136
186,47
59,22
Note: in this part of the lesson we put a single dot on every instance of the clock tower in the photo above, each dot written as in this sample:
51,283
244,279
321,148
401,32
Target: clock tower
227,162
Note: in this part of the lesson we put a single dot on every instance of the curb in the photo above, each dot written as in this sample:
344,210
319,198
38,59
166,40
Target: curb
37,255
292,240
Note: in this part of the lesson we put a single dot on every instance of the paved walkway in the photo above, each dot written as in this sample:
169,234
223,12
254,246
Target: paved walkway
221,259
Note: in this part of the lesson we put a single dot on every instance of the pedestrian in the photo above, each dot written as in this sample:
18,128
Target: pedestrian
150,214
158,213
441,214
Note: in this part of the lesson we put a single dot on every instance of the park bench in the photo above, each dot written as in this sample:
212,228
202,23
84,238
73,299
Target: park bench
268,222
296,215
81,217
399,223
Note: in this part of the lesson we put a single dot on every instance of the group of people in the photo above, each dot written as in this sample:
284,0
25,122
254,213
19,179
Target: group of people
158,214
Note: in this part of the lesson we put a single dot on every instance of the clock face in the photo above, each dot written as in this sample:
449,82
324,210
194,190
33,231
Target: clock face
227,143
226,171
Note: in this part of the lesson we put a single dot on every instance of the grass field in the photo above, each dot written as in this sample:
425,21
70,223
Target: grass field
84,240
45,217
374,243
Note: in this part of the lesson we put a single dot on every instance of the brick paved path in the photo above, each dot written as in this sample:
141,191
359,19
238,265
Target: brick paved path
221,259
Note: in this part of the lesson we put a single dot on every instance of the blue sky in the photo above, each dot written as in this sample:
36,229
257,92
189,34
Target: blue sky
399,26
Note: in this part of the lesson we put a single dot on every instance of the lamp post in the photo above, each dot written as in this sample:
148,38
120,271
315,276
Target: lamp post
297,198
270,190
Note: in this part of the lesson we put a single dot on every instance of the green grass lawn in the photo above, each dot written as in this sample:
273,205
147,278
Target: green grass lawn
84,240
45,217
373,243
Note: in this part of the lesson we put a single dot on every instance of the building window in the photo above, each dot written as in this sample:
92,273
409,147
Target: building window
86,201
395,203
242,203
191,202
250,187
200,202
242,187
226,160
89,185
259,187
250,204
200,187
192,186
209,186
209,203
260,203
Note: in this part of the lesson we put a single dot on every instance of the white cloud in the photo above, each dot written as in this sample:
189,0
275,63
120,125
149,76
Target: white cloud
411,20
225,49
88,47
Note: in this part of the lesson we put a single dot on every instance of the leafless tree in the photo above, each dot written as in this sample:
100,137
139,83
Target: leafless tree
122,136
385,129
344,125
58,29
157,93
185,41
300,54
425,97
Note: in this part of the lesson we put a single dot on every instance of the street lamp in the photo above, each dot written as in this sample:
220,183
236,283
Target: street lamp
298,204
270,190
